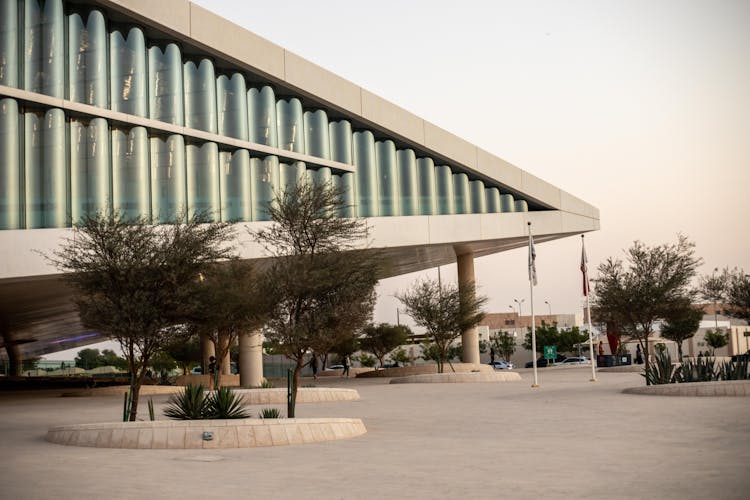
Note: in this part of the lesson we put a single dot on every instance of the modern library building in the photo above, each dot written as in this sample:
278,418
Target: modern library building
159,108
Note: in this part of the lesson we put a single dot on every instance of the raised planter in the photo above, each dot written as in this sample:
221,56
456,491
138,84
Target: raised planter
732,388
426,368
304,395
189,434
443,378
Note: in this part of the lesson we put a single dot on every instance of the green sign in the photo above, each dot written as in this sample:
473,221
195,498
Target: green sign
550,352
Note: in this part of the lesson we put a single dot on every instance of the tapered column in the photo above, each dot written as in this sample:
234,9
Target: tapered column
251,359
207,350
469,338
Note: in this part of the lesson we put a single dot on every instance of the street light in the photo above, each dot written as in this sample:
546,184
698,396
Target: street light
550,307
519,305
398,317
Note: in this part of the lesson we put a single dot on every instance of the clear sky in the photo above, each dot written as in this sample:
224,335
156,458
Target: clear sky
640,108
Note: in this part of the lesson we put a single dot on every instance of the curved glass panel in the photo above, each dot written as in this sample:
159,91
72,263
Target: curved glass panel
264,185
200,95
90,176
367,174
316,134
127,57
165,85
461,195
478,199
426,187
446,204
261,109
290,124
46,178
168,179
87,59
407,180
492,195
231,102
347,184
506,203
341,141
203,180
131,179
10,167
9,43
235,185
388,195
290,176
322,176
44,46
522,206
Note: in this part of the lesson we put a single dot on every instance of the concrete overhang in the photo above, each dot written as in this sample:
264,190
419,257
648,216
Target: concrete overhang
37,305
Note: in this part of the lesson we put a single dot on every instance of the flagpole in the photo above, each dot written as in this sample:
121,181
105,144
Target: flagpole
532,271
587,289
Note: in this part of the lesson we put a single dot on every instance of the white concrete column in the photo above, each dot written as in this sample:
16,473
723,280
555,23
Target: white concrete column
207,350
469,338
251,359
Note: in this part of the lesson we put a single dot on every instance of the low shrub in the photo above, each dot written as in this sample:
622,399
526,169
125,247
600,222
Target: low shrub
193,404
661,371
734,370
225,404
270,413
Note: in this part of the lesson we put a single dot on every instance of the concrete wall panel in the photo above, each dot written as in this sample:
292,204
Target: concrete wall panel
321,83
535,188
388,115
497,168
449,145
172,14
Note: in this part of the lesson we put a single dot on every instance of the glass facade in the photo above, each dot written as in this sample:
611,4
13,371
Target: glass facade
57,166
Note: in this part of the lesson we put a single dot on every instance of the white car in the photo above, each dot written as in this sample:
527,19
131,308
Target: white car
577,360
502,365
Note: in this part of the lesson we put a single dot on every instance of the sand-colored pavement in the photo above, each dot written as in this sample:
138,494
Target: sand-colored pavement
567,439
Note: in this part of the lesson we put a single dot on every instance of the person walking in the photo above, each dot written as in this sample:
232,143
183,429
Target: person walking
314,366
346,363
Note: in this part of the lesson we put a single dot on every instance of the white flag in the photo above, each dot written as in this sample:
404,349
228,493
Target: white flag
532,260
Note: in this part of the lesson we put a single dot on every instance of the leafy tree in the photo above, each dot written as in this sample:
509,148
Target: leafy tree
185,352
110,358
367,361
135,282
565,339
636,294
400,356
162,363
716,339
230,303
322,286
504,345
681,323
713,288
88,359
445,311
382,339
739,294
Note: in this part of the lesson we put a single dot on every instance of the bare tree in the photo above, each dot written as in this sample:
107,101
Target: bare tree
714,289
445,311
322,285
135,282
636,293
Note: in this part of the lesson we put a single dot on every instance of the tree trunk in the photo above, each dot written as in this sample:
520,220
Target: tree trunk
136,390
646,360
679,350
295,385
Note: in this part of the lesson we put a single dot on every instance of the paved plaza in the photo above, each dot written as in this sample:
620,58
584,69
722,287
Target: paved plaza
567,439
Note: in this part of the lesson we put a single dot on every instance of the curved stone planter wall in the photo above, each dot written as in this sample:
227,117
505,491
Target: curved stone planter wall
188,434
699,389
426,368
442,378
304,395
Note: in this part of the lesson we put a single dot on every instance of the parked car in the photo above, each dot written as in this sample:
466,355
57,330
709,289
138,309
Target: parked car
742,357
334,367
576,360
501,365
540,363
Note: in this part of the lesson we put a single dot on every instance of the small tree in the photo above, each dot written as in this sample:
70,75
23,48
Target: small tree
716,340
322,287
111,358
713,288
681,323
636,295
504,344
738,295
135,282
400,356
565,339
445,311
185,352
382,339
88,359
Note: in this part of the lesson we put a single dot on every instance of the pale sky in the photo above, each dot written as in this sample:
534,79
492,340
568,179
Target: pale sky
640,108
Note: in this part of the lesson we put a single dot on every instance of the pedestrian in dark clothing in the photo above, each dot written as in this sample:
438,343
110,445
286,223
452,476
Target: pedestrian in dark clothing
346,366
638,355
314,366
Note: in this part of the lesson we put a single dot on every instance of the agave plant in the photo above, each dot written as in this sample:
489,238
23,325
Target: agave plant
224,403
698,370
266,384
270,413
734,370
662,371
190,404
